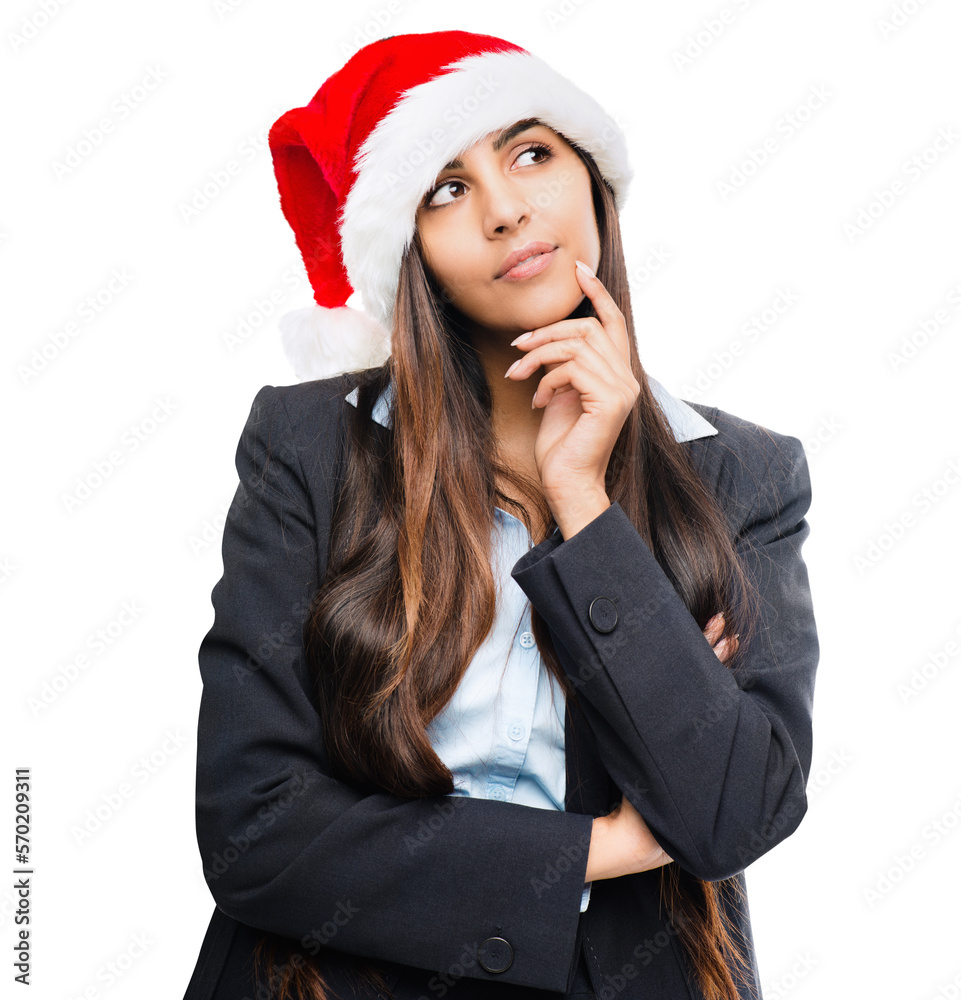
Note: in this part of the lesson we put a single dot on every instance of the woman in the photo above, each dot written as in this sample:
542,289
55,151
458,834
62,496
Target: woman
512,667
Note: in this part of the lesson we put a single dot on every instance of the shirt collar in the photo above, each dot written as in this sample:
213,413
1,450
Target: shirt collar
686,423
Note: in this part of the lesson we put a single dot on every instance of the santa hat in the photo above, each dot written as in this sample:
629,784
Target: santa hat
353,165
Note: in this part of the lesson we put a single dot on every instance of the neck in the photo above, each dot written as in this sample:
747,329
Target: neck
514,421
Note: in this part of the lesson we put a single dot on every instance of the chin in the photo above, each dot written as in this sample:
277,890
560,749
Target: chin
556,310
546,307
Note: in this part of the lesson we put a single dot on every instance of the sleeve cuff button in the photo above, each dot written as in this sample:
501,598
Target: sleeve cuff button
603,614
495,955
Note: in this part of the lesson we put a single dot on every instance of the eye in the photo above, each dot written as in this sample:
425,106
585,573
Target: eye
537,148
431,199
431,196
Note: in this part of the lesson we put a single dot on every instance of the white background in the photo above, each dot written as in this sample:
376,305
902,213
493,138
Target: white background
880,427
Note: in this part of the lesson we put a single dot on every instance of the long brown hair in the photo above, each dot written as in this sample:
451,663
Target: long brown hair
410,553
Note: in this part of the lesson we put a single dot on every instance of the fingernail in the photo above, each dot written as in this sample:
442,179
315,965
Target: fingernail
523,336
584,267
512,367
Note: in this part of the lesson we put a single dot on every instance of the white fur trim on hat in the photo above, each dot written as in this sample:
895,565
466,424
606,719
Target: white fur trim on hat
432,124
320,342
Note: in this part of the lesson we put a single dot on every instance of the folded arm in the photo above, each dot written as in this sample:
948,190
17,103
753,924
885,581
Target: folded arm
715,761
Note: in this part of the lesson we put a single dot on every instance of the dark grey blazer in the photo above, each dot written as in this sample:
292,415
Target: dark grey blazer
458,896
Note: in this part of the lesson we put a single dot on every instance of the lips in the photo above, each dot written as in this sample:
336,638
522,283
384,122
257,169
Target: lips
528,250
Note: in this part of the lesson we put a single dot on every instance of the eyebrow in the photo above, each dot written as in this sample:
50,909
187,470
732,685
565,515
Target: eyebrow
501,141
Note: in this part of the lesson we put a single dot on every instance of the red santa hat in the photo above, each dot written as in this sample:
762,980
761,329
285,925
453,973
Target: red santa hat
353,165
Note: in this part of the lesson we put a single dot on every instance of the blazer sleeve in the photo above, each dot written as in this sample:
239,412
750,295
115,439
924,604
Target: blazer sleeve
716,761
287,848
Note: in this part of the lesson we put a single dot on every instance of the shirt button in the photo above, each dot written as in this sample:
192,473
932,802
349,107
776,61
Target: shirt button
527,640
497,792
516,731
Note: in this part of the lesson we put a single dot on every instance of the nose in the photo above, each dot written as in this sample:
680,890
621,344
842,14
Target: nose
506,206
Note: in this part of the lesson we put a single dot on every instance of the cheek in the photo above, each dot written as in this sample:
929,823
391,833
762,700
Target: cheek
444,257
455,286
579,213
436,260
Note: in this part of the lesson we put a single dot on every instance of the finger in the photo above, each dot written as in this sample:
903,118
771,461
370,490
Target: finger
588,330
714,628
722,650
726,648
608,312
557,352
596,390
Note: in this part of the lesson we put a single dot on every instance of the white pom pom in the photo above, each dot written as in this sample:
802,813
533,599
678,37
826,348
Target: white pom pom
321,342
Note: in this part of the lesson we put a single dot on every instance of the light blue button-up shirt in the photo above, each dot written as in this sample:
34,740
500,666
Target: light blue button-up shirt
502,733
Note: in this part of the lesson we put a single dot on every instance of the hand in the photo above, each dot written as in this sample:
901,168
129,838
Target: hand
586,394
648,852
622,844
726,648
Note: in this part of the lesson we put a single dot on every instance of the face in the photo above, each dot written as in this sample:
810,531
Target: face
492,202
